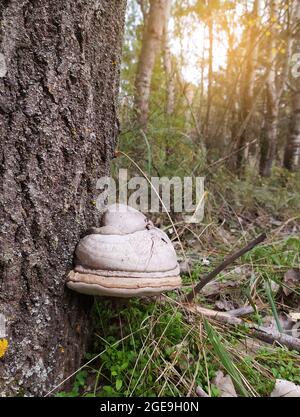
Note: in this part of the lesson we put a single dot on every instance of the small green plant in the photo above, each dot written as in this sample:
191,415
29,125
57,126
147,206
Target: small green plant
78,386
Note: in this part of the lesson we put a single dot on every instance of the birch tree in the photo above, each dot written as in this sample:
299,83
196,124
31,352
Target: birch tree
292,150
275,85
152,38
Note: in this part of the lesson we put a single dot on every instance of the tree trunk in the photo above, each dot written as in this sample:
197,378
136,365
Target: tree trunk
168,65
269,137
201,104
274,90
150,46
58,128
210,78
292,149
247,88
169,68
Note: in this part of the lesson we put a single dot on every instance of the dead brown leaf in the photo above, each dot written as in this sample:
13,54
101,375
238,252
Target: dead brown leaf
224,385
292,280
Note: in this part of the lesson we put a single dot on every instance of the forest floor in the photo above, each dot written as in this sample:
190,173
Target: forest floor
158,347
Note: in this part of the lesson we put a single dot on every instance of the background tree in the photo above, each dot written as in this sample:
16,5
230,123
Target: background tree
58,128
239,97
169,65
152,37
247,85
292,150
275,83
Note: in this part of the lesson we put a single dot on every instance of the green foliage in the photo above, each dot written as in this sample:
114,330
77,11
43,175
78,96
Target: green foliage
132,365
282,363
269,260
78,386
149,349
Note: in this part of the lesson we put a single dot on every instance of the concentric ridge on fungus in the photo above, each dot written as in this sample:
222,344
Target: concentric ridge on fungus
125,257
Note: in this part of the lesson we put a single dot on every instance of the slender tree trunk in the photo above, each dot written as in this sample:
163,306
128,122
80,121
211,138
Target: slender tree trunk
168,65
233,103
274,90
292,149
247,88
150,46
269,137
58,129
201,104
169,68
210,78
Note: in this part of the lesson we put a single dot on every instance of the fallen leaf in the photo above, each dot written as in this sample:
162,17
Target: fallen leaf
273,285
291,279
201,393
186,266
205,261
176,245
217,287
224,305
3,347
224,385
191,242
275,222
284,319
285,388
294,316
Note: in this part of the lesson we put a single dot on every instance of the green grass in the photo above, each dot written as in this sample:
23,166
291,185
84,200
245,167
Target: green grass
151,349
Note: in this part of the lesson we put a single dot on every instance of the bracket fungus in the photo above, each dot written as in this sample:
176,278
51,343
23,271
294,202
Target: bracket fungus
125,257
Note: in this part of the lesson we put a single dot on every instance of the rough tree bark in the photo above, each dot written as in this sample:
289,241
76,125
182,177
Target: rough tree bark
292,149
152,38
58,128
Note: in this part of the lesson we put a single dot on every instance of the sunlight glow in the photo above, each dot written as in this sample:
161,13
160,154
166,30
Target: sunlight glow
192,47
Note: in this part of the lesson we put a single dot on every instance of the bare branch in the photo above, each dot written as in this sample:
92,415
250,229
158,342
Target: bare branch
222,266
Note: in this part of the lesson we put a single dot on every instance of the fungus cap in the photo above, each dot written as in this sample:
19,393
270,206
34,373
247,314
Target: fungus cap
125,257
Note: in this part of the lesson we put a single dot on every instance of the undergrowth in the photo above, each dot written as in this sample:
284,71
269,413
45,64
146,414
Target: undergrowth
153,347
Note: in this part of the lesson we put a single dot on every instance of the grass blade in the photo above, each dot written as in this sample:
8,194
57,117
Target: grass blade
225,358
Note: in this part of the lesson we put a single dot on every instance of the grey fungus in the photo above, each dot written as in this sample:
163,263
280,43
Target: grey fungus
126,257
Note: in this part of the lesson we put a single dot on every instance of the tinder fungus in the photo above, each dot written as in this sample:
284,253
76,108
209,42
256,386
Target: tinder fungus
125,257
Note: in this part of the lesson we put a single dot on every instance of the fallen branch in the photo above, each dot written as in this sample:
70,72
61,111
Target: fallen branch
241,312
263,333
220,316
211,275
271,336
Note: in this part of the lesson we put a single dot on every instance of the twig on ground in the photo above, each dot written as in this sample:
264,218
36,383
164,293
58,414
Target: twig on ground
241,312
263,333
189,297
220,316
271,336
